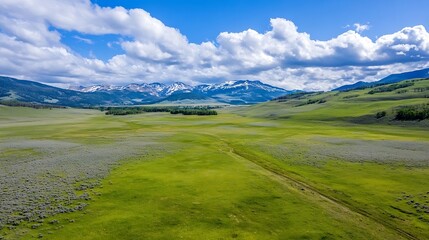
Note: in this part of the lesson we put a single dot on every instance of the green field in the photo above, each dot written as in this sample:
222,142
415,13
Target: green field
277,170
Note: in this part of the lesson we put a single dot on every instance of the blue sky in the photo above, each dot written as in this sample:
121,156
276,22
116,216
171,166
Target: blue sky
311,45
202,20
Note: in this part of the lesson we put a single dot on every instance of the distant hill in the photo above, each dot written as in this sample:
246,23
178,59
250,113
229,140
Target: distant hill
231,92
394,78
28,91
402,103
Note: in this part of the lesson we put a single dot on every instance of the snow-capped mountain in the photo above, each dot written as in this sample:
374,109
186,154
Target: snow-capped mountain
239,85
101,88
232,92
155,89
242,92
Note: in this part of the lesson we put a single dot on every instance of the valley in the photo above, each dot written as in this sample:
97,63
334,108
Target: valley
323,165
214,120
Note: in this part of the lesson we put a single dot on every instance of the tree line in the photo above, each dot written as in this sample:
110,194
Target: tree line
390,88
206,110
14,103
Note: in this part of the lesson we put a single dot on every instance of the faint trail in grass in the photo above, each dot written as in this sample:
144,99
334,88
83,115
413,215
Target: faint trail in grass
284,178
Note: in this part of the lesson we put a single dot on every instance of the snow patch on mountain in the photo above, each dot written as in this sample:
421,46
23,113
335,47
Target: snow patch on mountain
178,86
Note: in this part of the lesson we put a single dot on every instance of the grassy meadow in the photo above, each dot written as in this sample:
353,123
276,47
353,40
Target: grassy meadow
279,170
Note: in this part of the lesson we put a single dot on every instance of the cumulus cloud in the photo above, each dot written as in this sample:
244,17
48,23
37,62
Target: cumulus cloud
31,47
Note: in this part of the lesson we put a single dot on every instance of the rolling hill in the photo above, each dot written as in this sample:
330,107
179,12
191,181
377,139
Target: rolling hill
377,104
394,78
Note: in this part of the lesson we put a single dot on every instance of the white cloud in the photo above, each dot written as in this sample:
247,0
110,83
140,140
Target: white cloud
361,27
82,39
31,47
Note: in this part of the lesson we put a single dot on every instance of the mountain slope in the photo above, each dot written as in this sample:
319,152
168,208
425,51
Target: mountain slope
394,78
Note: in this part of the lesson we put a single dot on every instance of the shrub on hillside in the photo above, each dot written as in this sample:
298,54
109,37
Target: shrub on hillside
412,113
380,114
421,89
351,96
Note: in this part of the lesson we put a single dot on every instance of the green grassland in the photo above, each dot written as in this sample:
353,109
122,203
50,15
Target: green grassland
290,169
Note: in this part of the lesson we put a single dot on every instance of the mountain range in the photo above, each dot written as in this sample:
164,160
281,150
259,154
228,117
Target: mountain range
237,92
230,92
394,78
